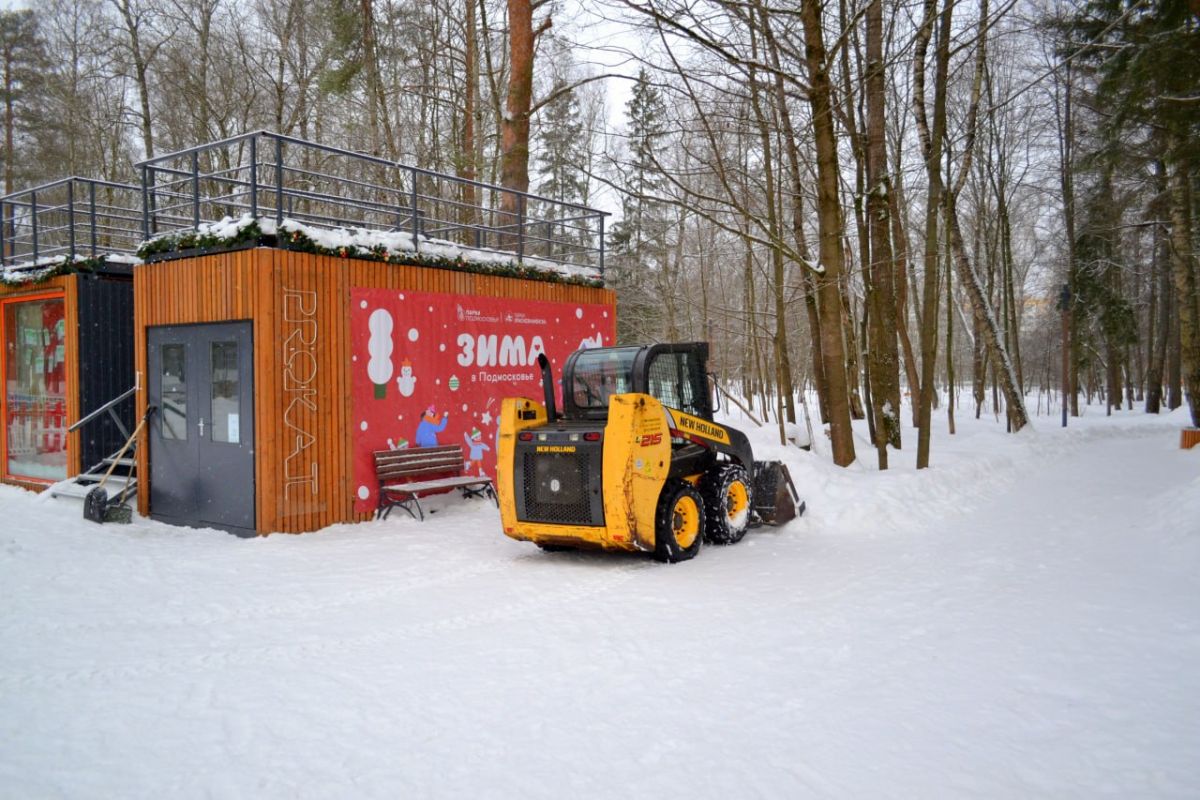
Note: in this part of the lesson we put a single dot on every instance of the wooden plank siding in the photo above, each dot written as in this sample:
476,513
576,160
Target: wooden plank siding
298,304
68,286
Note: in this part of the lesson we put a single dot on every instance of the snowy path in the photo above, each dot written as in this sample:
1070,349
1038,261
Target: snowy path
1021,621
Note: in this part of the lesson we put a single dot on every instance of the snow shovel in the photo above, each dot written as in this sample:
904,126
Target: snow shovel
96,504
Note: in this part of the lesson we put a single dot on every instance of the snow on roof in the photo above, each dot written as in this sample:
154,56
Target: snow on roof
371,243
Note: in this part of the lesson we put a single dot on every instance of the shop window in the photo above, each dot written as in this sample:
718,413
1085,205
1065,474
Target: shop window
35,407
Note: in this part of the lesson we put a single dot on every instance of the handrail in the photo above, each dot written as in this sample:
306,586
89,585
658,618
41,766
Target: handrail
383,162
275,176
110,404
68,218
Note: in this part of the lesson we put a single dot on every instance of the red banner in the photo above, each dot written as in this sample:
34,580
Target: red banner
431,369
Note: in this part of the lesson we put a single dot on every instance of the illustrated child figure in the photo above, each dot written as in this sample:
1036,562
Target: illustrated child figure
430,427
475,454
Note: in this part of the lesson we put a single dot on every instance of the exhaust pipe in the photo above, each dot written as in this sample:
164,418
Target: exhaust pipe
547,387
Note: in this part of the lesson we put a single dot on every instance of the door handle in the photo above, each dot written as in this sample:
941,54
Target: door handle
202,427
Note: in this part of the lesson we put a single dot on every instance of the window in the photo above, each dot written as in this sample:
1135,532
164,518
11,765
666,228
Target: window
226,401
601,374
174,392
35,407
675,381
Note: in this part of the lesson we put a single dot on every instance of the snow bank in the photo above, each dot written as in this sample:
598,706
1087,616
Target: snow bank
1020,620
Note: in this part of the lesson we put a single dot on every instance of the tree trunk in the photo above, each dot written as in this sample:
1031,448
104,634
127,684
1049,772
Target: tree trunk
931,147
467,166
779,287
1005,375
829,221
9,122
884,354
900,241
807,282
1160,323
1183,267
514,123
140,69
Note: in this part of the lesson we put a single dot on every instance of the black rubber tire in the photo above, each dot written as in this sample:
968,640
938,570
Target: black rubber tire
719,488
667,547
556,548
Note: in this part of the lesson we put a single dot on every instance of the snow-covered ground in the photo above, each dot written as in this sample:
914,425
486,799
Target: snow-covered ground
1022,620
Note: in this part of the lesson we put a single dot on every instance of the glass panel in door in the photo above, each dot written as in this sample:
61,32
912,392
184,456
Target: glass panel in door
226,398
35,389
174,410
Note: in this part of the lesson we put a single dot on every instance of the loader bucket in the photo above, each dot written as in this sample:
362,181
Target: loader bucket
775,497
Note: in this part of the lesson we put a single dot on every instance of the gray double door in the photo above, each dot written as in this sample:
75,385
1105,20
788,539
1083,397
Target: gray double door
202,435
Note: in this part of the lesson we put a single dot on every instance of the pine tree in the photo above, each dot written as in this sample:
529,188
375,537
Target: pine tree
22,58
639,241
1148,64
644,214
562,152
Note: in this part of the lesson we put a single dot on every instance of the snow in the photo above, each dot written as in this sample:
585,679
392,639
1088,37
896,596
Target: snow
395,242
1020,620
32,272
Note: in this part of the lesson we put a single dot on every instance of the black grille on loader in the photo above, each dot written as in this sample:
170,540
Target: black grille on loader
561,488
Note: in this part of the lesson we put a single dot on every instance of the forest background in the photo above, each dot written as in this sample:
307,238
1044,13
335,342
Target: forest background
887,205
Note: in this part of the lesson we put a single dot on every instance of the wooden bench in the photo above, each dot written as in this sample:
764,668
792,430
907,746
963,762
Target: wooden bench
405,475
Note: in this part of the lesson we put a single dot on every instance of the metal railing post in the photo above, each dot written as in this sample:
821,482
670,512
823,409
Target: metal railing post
520,227
145,205
33,223
71,219
195,190
153,203
278,181
254,176
92,213
416,225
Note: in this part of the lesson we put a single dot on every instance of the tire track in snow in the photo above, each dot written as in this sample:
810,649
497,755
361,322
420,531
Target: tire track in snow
528,606
297,606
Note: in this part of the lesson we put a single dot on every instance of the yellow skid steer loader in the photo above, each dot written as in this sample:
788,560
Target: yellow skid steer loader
634,461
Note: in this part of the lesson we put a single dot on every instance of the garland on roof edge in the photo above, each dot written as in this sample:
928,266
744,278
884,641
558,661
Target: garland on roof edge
33,276
299,241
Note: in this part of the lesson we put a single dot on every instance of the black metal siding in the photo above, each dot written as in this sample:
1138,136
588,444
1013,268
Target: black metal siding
105,360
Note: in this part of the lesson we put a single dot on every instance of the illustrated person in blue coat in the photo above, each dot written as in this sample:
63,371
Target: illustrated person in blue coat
476,447
430,427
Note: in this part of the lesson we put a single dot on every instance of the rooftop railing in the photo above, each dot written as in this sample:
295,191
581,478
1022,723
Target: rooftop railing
72,218
269,176
276,177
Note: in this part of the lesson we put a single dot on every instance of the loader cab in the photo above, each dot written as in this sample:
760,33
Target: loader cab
674,374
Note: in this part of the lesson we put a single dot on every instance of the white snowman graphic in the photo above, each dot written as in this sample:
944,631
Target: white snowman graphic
407,382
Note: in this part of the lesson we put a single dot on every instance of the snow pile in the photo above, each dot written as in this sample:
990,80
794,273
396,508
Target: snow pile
1020,620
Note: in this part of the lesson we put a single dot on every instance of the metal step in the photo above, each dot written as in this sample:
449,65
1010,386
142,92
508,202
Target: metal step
122,462
115,485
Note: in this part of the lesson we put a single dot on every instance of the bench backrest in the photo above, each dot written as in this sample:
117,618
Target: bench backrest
418,461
